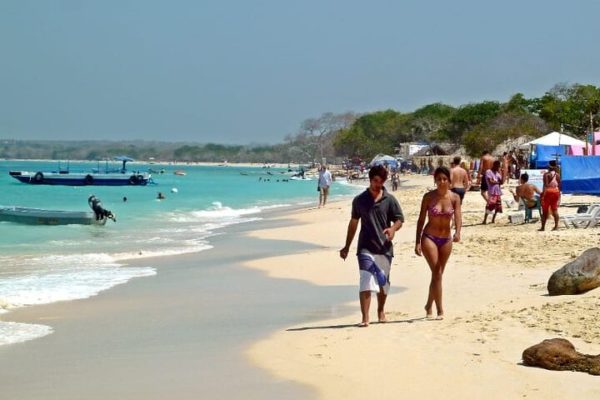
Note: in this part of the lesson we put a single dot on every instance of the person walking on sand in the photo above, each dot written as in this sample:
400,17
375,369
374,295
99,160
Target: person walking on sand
381,217
551,195
506,161
493,177
459,179
323,185
434,241
485,163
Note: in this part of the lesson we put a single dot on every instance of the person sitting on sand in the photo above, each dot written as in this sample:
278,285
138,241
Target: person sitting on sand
381,216
551,195
529,193
493,177
434,241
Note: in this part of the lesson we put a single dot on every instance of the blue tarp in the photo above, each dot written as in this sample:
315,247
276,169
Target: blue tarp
542,154
580,174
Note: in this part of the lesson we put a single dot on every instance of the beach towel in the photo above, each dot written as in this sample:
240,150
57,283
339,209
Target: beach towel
374,272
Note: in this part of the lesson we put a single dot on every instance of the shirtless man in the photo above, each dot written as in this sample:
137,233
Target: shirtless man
485,163
459,179
527,192
506,161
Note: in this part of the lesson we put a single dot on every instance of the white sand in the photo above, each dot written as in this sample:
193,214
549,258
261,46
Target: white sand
495,304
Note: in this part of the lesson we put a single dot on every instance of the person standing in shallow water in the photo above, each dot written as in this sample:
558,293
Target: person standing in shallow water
434,241
381,217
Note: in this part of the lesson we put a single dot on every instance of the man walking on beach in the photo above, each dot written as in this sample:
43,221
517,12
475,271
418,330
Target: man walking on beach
485,163
381,216
459,179
325,180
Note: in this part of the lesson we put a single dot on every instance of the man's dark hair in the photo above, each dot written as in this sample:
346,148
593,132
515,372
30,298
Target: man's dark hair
456,160
524,177
485,152
496,165
378,170
441,170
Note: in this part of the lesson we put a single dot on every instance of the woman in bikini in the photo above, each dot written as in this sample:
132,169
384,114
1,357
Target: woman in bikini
434,241
551,195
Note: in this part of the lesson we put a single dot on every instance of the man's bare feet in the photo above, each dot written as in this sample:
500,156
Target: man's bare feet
439,317
362,324
381,317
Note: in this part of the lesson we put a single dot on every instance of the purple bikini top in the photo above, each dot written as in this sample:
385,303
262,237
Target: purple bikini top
434,212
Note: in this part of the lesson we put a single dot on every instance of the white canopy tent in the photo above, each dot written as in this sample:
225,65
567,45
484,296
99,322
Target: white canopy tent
555,139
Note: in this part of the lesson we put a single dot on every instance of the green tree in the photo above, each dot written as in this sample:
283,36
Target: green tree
373,133
469,116
427,123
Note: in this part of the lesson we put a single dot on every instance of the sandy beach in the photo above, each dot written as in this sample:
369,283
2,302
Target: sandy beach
495,300
270,312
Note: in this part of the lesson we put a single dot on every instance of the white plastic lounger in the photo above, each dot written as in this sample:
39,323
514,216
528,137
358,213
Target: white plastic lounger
585,220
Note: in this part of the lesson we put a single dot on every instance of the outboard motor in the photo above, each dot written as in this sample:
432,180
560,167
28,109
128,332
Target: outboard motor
100,212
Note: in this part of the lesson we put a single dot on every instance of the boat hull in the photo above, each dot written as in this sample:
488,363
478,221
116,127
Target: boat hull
81,179
38,216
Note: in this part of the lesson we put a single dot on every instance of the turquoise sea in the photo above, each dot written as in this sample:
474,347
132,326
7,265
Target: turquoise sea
45,264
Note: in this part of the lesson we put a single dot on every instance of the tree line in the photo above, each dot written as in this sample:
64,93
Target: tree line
574,109
571,108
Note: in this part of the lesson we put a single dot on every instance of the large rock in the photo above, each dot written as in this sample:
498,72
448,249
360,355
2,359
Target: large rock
578,276
560,355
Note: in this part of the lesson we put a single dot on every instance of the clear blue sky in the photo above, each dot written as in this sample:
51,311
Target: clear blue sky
252,71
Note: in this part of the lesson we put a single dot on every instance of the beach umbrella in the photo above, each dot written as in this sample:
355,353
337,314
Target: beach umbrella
382,159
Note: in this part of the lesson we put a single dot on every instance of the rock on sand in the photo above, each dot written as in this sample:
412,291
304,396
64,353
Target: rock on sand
578,276
560,355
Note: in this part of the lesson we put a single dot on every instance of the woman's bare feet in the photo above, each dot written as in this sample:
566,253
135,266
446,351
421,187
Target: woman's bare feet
381,317
428,313
362,324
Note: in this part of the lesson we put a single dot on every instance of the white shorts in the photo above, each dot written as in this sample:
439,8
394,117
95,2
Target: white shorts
368,282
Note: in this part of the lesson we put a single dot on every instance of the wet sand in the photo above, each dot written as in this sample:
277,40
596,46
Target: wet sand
180,334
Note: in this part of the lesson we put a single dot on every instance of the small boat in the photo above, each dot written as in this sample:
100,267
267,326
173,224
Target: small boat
179,172
39,216
115,177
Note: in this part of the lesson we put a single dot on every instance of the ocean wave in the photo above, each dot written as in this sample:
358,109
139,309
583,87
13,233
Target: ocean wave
218,212
14,332
172,251
65,282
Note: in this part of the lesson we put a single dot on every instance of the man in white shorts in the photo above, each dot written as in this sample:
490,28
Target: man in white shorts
381,216
325,180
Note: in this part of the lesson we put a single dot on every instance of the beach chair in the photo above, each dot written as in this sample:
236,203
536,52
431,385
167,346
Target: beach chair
584,220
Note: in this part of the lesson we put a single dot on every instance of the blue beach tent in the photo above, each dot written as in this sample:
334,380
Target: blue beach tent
580,174
541,155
